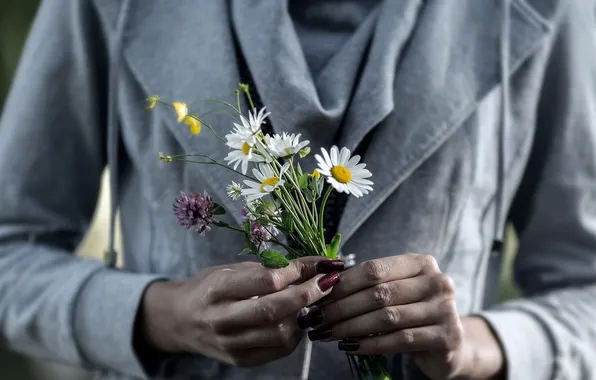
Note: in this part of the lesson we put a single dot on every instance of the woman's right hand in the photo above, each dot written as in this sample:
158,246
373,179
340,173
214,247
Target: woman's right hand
242,314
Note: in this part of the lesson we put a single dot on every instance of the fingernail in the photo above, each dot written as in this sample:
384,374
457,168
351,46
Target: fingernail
319,334
348,345
328,281
313,318
329,266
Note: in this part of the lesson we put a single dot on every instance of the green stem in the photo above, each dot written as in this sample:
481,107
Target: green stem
205,123
322,210
212,162
252,106
238,99
218,111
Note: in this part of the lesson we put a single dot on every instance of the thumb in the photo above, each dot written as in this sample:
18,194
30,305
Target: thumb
309,266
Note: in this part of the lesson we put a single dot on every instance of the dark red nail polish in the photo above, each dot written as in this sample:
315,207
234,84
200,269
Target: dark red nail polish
313,318
328,281
319,334
329,266
348,345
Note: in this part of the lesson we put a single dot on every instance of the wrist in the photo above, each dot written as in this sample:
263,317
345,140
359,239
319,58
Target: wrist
156,329
482,355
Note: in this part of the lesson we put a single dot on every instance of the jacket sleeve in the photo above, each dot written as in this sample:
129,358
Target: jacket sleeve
54,305
551,332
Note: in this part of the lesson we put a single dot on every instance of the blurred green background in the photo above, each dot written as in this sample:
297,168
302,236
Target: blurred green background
15,20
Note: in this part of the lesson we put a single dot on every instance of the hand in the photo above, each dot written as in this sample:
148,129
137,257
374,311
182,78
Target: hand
242,314
409,306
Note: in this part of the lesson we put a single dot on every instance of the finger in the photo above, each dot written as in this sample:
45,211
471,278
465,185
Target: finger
388,319
258,280
427,338
376,297
276,335
258,356
374,272
275,307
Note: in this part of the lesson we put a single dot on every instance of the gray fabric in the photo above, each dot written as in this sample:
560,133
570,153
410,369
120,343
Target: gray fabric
324,26
433,154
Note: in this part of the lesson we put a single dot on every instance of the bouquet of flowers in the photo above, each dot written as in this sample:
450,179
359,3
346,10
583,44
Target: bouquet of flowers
283,205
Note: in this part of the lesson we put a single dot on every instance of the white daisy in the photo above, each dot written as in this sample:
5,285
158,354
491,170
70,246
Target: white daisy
345,174
254,121
285,144
242,142
234,190
268,182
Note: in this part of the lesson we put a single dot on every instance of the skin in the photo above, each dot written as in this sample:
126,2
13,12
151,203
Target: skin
245,315
241,314
411,304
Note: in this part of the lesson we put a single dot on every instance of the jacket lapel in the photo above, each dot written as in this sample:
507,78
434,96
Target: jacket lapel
452,61
190,61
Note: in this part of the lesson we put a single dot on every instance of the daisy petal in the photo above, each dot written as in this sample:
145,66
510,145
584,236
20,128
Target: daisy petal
344,156
353,161
327,158
334,155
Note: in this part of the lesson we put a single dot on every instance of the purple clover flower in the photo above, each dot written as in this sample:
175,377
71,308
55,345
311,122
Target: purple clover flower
195,209
259,235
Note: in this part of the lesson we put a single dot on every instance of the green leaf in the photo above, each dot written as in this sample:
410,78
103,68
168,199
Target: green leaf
271,258
303,181
298,169
218,209
333,247
287,220
263,221
304,152
308,193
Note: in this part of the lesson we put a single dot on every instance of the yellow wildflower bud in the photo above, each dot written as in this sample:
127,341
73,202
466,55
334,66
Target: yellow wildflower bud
243,87
152,101
193,124
181,110
315,174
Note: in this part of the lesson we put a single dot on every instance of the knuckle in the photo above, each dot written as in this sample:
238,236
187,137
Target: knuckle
266,312
217,324
222,343
406,337
212,293
444,285
390,316
271,280
374,271
429,263
448,307
305,296
381,295
453,336
283,334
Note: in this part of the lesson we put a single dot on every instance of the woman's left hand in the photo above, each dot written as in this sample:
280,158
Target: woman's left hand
406,302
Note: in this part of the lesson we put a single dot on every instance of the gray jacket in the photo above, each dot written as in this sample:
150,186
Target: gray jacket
447,166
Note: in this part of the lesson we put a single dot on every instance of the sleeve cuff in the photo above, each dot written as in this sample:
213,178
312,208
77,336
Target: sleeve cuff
528,351
104,318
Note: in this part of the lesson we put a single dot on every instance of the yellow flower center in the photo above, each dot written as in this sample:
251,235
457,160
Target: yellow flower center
246,148
341,174
271,181
287,150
